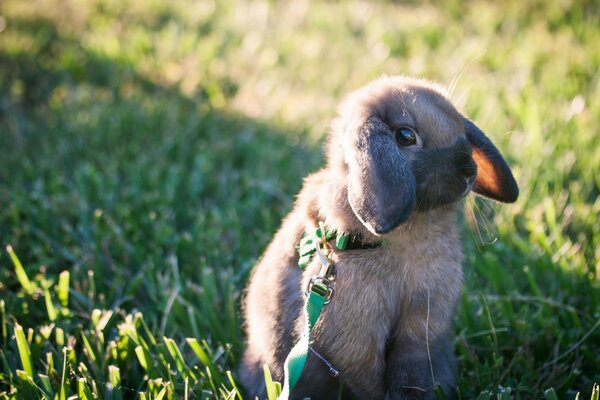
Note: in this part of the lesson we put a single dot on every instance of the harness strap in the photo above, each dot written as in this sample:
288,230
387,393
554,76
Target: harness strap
294,363
319,293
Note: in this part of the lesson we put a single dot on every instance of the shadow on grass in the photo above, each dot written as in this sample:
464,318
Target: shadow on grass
154,200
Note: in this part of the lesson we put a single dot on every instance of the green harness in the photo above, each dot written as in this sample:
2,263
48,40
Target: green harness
319,293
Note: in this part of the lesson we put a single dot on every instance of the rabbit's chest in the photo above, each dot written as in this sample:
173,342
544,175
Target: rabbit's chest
397,277
374,294
371,304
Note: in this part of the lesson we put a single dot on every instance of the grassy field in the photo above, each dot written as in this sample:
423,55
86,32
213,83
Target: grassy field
149,149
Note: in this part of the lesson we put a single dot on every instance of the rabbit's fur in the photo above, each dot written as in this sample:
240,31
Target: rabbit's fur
387,329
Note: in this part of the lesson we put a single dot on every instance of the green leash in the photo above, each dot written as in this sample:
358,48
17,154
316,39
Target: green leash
294,364
320,291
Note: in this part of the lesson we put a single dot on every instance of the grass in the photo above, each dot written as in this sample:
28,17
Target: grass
149,149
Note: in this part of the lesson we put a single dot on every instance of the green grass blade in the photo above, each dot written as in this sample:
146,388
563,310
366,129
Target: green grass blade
24,351
30,389
95,316
551,394
63,378
144,359
83,390
62,289
211,380
175,355
161,394
91,354
140,320
273,388
101,319
186,389
4,325
595,392
47,385
59,336
114,377
50,371
232,381
50,308
20,272
200,350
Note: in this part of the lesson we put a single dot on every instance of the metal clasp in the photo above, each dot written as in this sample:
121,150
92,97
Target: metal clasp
322,283
323,259
316,284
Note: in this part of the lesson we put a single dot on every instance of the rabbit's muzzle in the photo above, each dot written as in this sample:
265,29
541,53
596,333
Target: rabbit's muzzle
443,175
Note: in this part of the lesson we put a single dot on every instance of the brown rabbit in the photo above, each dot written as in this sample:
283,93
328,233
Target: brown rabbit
399,160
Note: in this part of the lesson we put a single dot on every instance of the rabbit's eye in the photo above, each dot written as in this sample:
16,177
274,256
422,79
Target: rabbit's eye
406,136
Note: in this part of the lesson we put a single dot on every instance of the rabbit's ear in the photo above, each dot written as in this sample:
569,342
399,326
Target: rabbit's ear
381,186
494,178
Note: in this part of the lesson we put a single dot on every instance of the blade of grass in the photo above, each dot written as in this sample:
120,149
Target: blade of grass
20,272
551,394
28,382
211,380
161,394
273,388
144,359
59,336
62,289
232,381
186,389
4,327
24,351
175,355
101,319
200,350
50,308
114,377
46,384
89,350
63,386
83,390
50,364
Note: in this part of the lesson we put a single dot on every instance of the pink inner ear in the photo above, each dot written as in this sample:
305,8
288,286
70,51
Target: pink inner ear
487,181
493,180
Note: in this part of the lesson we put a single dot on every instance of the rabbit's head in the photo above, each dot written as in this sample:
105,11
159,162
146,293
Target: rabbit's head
401,147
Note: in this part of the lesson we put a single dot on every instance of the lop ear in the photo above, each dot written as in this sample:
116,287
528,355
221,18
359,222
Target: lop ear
494,178
381,186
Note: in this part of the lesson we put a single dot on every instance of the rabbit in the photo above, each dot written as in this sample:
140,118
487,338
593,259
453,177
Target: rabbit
399,160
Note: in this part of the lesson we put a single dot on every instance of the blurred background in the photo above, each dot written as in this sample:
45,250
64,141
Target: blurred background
149,149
